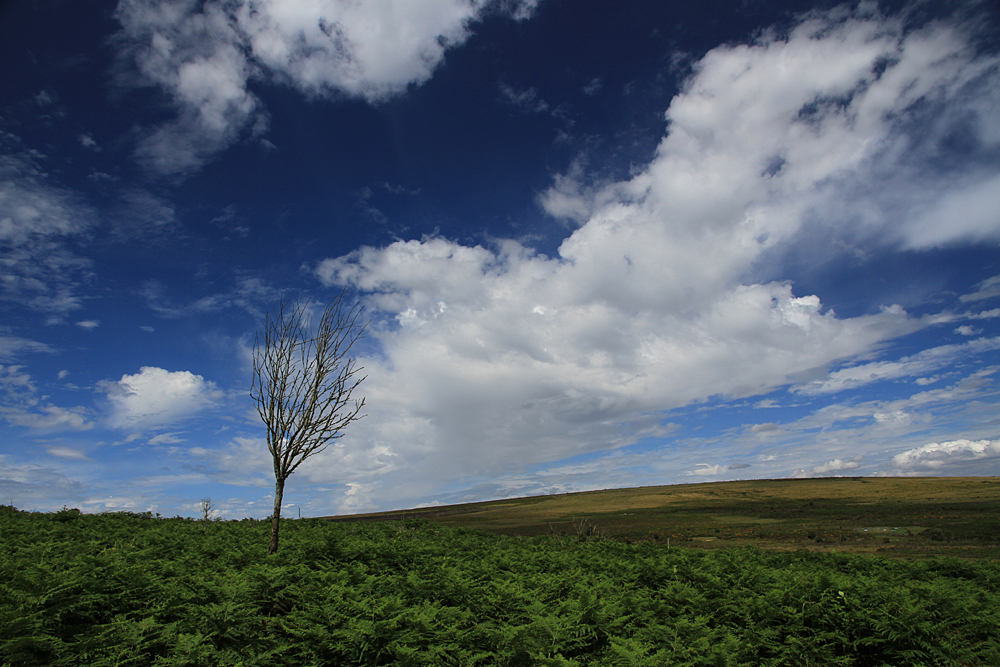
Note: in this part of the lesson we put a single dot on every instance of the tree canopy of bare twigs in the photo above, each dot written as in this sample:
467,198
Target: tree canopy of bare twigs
304,385
207,507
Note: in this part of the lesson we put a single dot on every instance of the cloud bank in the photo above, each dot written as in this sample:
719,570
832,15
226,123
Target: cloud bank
947,456
204,55
499,357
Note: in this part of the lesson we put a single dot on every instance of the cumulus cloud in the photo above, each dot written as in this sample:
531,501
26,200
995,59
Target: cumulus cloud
498,354
945,456
204,54
156,397
645,308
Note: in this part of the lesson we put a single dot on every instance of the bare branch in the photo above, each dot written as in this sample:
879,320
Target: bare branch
304,384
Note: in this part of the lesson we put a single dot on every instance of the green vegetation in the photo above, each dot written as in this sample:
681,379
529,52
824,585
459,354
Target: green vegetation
906,517
129,589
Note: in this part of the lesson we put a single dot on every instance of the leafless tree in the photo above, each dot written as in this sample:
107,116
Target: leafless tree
303,385
207,507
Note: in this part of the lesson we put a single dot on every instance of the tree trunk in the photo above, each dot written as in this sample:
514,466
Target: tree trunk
279,491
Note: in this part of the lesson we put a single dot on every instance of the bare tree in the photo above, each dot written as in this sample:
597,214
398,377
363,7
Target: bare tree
303,385
207,507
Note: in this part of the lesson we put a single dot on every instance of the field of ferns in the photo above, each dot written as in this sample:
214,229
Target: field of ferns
130,589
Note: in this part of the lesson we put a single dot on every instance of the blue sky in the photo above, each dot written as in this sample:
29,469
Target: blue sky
600,244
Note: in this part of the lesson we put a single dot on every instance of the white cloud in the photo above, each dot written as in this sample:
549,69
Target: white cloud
593,87
37,488
141,214
812,129
971,213
863,432
568,197
155,397
496,358
764,428
524,99
204,55
836,465
88,324
706,470
918,364
249,294
47,417
165,439
21,405
243,462
13,346
36,217
939,457
988,289
66,453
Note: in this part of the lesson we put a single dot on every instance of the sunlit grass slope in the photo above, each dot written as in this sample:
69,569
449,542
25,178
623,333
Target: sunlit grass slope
897,516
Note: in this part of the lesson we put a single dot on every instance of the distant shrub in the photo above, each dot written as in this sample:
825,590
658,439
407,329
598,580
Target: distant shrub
66,514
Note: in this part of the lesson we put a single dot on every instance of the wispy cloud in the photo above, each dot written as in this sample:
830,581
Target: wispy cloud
21,405
988,289
13,346
35,486
36,219
523,99
252,295
62,452
920,364
834,466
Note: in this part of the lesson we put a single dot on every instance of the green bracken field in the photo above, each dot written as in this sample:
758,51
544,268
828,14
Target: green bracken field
755,573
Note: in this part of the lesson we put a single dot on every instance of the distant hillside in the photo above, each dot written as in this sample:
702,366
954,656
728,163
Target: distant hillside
908,515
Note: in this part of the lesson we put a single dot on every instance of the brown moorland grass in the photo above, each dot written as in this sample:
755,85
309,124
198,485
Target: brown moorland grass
894,516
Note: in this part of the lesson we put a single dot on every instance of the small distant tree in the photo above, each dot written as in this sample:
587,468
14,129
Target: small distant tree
207,507
304,384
